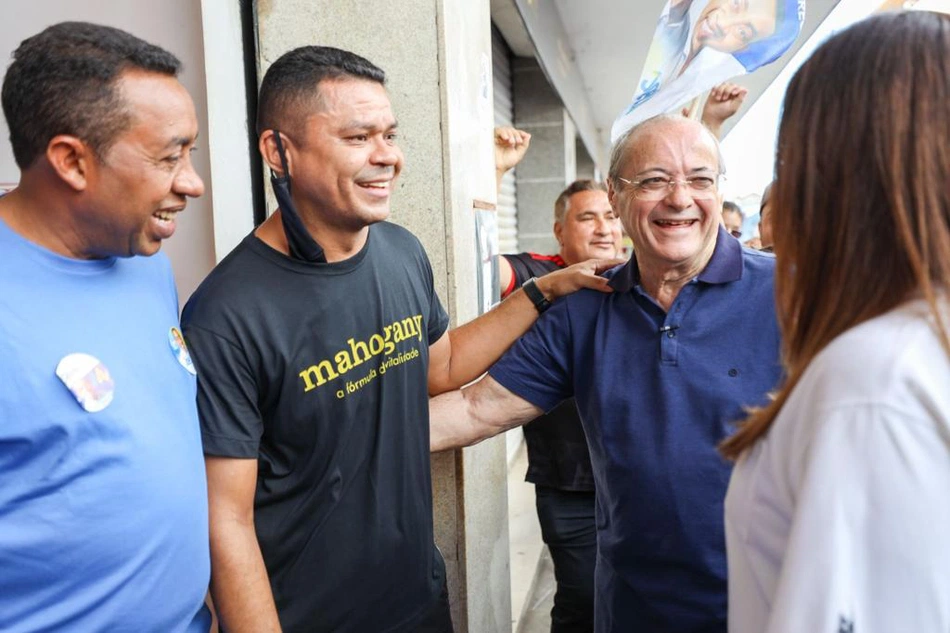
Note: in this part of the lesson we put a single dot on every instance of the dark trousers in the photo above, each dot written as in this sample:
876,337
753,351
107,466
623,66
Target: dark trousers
568,529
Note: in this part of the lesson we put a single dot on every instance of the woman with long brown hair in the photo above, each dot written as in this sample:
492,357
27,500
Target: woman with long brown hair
838,512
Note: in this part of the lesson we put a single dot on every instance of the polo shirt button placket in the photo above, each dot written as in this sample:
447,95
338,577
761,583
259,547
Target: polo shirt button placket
668,345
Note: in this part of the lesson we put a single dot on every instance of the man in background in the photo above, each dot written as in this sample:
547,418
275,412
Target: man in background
732,218
585,227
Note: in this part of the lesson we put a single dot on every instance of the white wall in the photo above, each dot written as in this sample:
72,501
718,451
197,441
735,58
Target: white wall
172,24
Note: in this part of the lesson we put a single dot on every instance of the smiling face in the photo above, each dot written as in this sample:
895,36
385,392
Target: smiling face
143,181
590,229
677,232
731,25
346,161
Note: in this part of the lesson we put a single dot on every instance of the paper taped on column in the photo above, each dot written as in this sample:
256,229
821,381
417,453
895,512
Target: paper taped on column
701,43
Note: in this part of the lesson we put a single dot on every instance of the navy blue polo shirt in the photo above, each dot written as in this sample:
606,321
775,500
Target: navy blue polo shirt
657,391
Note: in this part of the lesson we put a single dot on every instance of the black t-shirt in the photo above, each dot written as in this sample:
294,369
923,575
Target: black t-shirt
558,455
320,372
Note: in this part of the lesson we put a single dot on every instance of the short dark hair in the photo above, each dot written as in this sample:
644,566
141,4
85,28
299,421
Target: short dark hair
732,206
560,205
63,81
291,84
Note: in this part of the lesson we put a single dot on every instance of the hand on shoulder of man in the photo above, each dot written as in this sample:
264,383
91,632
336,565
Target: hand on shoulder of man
582,275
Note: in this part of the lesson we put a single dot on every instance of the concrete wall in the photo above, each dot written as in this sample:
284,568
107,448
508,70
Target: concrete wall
585,164
549,165
172,24
437,59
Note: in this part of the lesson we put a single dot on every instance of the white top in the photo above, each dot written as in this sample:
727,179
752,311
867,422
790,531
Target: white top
838,521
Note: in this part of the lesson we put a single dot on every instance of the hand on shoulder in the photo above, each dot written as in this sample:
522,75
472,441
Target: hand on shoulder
571,279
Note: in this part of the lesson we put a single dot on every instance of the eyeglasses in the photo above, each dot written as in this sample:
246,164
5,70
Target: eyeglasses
658,187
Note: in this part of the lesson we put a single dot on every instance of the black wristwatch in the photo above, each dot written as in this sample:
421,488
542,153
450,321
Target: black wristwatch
537,297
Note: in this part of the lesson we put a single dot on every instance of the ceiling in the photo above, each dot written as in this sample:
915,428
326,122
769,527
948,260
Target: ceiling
593,53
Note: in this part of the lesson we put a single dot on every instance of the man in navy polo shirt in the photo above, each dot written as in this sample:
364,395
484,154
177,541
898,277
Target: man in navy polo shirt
661,370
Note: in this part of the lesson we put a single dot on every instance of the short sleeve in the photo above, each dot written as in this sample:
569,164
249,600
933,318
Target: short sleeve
868,549
231,424
438,319
537,367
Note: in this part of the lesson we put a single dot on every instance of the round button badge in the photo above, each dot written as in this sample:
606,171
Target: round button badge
88,380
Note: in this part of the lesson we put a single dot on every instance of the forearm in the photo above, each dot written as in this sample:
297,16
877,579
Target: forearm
714,126
452,423
477,344
239,584
499,177
466,352
478,412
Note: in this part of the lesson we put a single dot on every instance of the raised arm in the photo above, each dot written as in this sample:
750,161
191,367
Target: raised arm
240,587
511,144
475,413
465,353
722,104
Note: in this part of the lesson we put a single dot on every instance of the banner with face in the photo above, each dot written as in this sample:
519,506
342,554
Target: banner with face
701,43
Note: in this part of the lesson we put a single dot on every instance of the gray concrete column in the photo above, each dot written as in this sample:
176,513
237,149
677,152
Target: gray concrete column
550,164
585,164
437,57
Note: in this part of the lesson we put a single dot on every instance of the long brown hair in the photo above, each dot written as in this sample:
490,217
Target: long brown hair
861,204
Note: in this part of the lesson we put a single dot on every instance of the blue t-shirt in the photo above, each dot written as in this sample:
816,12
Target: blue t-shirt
657,392
103,513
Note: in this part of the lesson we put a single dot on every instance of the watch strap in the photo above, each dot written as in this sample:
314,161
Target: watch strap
537,297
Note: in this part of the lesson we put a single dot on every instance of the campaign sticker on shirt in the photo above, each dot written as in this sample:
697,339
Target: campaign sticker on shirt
88,380
177,341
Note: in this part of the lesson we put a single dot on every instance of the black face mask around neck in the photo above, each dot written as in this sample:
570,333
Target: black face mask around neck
301,244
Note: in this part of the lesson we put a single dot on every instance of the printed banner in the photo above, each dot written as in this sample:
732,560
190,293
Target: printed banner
701,43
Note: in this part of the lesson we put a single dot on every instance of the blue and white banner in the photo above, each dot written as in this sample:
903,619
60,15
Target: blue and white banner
701,43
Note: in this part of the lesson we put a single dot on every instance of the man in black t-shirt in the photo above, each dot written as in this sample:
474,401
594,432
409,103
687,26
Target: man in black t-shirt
558,457
317,342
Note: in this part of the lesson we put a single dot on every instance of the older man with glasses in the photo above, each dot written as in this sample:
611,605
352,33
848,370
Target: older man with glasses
660,370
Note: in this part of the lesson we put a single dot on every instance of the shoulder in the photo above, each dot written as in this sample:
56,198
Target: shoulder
527,265
756,284
389,234
233,280
758,262
396,250
895,360
552,261
153,271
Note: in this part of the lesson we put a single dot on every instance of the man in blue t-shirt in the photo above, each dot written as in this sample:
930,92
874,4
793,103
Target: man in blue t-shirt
103,502
660,371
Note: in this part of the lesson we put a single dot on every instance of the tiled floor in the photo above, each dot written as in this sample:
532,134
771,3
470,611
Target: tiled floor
532,574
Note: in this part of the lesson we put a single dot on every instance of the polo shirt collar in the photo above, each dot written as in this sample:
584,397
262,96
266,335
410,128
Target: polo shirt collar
724,266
